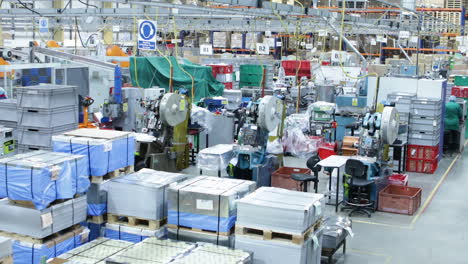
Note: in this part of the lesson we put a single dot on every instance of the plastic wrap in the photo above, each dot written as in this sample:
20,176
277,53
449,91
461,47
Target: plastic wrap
202,117
104,153
195,236
95,251
95,230
298,144
24,252
43,177
209,253
97,209
142,194
336,228
207,202
280,210
216,157
132,234
321,106
152,250
300,121
274,147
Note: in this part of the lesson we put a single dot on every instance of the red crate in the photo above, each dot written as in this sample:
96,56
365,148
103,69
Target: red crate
465,92
228,85
422,152
221,69
327,150
281,178
457,91
291,68
400,199
398,179
421,166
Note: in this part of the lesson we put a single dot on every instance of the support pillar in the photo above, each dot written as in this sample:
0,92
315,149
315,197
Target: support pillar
58,33
108,34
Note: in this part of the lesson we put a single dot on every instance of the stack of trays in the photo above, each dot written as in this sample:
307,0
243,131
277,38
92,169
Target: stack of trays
31,222
44,111
42,177
9,116
94,252
281,226
206,206
142,196
425,122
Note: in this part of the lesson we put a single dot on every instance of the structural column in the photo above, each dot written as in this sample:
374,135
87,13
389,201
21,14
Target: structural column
58,33
108,34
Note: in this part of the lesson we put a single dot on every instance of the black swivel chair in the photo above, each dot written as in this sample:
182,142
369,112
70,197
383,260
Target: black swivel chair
304,179
359,188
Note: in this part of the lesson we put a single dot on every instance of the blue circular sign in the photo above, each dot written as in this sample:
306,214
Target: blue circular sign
147,30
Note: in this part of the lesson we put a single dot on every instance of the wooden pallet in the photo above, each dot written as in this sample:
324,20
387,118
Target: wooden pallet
263,234
187,228
50,241
135,221
30,204
7,260
112,174
97,219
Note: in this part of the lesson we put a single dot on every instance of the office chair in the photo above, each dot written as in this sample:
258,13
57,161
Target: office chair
358,198
304,179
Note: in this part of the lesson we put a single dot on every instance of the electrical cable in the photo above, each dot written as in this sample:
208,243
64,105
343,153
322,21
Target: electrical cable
88,4
63,9
25,6
79,33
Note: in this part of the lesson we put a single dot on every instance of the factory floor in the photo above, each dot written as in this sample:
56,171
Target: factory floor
436,233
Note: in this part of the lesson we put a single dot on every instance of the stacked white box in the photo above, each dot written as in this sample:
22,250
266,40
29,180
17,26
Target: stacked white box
425,122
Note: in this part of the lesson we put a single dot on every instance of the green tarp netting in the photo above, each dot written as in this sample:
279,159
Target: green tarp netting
155,71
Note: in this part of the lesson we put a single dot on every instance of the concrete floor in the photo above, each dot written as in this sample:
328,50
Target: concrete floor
436,233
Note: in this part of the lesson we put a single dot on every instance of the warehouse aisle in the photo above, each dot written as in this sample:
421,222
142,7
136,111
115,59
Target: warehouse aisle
439,235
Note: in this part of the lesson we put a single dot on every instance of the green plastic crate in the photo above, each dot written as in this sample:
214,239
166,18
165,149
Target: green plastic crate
254,84
252,69
461,80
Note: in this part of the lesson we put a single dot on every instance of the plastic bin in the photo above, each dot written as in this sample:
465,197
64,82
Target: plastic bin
47,96
424,139
457,92
281,178
42,137
398,179
28,148
48,118
8,110
422,166
423,152
426,107
400,199
327,150
461,80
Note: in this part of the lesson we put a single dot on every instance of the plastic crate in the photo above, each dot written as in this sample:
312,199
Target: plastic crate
400,199
36,136
47,118
464,92
457,91
281,178
47,96
8,110
291,68
461,80
423,152
228,85
424,139
422,166
327,150
221,69
398,179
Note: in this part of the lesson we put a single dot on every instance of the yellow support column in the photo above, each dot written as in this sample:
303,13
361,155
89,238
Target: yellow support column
108,34
58,33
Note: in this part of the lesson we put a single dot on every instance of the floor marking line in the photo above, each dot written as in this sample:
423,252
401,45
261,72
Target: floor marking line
382,224
388,258
434,191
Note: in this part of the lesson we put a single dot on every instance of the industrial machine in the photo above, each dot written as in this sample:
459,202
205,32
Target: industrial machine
166,119
251,161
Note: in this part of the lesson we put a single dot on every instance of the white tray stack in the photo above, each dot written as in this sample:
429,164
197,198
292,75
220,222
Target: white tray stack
43,111
281,226
425,122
